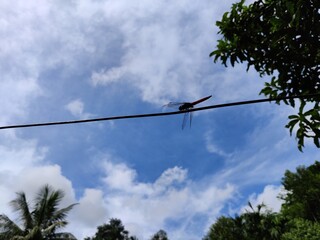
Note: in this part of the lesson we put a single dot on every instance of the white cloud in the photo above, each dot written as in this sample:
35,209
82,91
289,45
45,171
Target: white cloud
39,39
119,176
31,179
173,196
76,108
268,197
105,77
16,92
84,218
164,54
17,155
89,214
171,176
166,48
234,84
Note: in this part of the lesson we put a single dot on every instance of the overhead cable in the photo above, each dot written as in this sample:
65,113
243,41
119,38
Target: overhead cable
157,114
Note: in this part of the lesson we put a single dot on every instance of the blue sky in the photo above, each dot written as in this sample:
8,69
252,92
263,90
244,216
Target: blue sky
68,60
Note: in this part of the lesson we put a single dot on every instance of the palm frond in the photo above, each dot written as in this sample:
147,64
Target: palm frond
46,211
51,229
8,228
41,204
61,214
53,201
20,205
35,233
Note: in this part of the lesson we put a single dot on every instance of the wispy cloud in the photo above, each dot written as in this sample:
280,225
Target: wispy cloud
76,108
212,147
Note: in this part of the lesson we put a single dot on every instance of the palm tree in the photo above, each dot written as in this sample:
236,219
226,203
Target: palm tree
41,222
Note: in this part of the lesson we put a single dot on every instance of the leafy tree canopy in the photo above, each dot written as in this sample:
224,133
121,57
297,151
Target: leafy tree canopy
302,198
225,228
279,38
248,226
298,219
160,235
112,230
301,229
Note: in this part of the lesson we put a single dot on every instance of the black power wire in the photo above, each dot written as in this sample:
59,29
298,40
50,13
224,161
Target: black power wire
158,114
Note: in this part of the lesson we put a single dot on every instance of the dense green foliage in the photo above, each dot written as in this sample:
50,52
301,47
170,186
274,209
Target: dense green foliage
116,230
300,229
298,219
279,38
39,222
302,199
225,228
248,226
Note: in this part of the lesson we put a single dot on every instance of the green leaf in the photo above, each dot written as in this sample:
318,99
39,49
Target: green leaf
293,117
316,141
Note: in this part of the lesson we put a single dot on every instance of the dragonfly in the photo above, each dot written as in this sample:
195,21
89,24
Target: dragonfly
185,106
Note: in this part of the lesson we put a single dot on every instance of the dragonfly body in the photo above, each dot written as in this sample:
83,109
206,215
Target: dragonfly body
185,106
188,105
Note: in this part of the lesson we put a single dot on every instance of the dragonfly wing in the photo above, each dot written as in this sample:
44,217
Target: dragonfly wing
185,118
191,118
174,104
